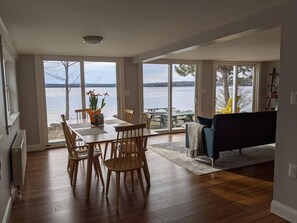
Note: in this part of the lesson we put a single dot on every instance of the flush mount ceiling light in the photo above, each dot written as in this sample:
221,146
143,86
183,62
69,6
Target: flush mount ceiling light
93,39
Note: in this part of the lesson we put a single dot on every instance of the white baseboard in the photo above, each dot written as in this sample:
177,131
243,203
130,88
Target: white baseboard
33,148
8,206
284,211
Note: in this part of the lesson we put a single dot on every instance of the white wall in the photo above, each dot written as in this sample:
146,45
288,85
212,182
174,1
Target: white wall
284,196
206,100
28,98
5,156
131,87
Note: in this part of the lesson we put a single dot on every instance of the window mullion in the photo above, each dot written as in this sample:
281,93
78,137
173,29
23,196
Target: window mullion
170,97
235,86
83,87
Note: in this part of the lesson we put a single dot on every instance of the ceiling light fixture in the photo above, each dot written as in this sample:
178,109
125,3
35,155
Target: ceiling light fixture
93,39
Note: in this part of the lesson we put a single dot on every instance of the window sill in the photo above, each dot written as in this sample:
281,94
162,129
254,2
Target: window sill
12,118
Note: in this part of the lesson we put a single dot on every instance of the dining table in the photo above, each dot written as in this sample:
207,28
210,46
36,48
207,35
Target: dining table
92,135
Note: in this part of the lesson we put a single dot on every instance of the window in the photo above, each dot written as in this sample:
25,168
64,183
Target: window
169,94
9,72
234,82
66,83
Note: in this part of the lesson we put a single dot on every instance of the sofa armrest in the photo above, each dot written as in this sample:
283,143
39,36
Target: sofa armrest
209,143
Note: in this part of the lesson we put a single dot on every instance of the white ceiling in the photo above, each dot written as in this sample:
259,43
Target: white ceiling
259,46
133,27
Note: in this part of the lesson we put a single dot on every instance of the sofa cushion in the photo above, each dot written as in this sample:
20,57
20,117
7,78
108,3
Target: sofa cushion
205,121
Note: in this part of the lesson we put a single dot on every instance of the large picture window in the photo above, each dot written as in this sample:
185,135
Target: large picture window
66,83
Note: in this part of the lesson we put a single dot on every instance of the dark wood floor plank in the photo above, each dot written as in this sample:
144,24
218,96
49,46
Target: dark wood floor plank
176,195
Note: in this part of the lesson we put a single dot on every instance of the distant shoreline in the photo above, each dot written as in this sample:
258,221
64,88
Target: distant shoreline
157,84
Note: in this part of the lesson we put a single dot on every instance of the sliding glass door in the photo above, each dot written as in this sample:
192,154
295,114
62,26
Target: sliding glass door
234,82
169,94
66,83
183,95
155,93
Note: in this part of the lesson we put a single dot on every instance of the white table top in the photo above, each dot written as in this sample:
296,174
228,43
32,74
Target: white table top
98,134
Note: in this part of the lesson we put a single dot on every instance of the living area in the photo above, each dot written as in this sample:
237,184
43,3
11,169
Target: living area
175,69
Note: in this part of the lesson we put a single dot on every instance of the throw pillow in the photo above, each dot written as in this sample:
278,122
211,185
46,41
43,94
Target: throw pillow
205,121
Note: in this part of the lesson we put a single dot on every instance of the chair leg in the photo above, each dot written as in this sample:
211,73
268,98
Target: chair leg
100,172
132,179
95,161
141,183
68,166
118,187
75,176
108,181
125,177
105,150
71,171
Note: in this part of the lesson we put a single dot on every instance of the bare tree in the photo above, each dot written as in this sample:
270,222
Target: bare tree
52,69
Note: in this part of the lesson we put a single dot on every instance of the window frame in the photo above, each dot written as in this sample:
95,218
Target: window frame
170,63
9,84
256,82
39,70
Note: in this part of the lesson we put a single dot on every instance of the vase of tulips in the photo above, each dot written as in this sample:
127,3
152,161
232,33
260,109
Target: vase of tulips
95,111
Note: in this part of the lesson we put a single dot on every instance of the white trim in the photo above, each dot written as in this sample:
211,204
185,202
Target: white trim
33,148
8,206
198,89
284,211
140,91
41,107
121,87
80,58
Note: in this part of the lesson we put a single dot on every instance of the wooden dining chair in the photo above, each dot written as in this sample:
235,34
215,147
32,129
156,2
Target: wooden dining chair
81,113
131,138
128,116
79,153
145,119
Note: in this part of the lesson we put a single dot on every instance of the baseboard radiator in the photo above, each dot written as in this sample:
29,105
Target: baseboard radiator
19,159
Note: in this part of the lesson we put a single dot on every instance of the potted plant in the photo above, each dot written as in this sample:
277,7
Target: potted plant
95,111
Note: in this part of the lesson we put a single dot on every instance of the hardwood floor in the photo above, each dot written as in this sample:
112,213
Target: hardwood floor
176,195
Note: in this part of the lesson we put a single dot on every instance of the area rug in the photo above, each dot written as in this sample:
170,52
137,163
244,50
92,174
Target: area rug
176,152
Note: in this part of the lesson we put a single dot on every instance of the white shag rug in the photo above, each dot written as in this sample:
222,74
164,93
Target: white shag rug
176,152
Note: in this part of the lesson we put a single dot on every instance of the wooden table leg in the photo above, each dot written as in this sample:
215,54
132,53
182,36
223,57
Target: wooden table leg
89,170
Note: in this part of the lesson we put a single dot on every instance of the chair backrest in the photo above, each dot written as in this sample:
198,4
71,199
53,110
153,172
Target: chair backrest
146,119
70,142
130,137
128,117
81,113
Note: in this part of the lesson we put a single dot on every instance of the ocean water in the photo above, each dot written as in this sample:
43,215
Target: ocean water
183,99
154,97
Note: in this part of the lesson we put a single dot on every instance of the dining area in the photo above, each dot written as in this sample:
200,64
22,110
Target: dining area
115,147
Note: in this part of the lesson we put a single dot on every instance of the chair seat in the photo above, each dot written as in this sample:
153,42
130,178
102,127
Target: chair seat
123,164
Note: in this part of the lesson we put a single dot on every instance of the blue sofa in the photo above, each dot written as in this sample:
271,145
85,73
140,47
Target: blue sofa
237,131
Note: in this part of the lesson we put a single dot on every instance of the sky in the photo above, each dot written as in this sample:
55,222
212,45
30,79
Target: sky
105,73
95,72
